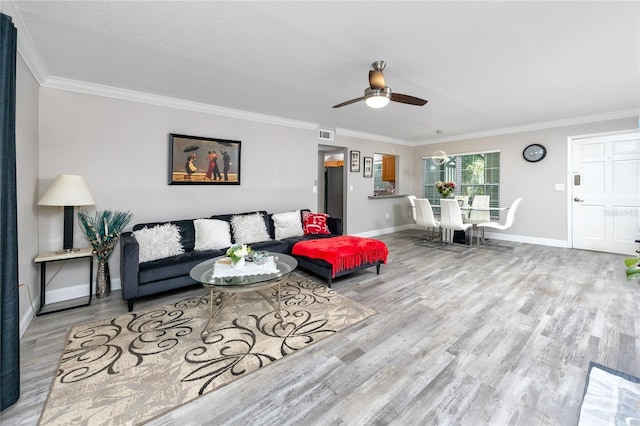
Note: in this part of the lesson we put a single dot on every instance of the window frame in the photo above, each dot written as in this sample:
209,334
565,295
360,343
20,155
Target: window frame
453,170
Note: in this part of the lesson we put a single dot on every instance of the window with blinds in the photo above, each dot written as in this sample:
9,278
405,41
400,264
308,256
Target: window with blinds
473,174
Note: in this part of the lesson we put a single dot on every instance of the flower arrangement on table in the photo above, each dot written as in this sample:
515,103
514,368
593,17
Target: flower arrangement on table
103,230
445,188
238,252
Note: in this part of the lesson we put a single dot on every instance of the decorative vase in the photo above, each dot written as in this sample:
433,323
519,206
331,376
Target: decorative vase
103,279
238,263
260,257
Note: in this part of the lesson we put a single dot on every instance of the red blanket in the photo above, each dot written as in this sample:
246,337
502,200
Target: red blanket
344,252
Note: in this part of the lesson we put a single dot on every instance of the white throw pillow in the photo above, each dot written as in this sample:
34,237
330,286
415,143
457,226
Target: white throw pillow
212,234
288,224
158,242
249,228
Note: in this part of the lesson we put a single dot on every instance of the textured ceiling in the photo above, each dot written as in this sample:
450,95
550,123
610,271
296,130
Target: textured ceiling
482,65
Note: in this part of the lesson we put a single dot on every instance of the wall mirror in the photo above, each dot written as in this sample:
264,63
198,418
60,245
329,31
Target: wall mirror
385,177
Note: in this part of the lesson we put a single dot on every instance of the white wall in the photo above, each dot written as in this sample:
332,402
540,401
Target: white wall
542,216
27,90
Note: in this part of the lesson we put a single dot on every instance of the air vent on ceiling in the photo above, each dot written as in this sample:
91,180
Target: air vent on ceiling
326,135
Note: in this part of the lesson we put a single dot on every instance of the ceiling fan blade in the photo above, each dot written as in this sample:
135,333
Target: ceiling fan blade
352,101
376,80
406,99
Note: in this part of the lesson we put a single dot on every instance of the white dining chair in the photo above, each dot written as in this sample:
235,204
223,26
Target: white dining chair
424,215
451,219
480,216
463,202
508,223
412,202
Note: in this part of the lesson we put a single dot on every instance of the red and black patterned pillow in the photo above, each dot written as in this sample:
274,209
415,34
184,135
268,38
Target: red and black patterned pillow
315,223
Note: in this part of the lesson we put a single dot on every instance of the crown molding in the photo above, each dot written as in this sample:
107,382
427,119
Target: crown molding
607,116
26,48
371,137
164,101
134,96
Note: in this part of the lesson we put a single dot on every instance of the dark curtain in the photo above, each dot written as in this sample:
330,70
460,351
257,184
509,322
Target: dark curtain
9,306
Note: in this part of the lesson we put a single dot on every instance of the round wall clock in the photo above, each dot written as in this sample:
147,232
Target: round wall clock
534,152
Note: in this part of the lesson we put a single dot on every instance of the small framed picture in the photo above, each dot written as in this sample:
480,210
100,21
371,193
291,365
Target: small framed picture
368,167
355,161
195,160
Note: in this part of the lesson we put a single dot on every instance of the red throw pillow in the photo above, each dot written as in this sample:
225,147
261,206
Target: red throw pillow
315,223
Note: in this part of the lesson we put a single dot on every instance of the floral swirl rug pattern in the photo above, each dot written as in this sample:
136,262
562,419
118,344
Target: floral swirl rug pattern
132,368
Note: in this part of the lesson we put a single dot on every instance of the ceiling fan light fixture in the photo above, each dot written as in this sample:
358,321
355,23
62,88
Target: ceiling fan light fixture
377,98
378,95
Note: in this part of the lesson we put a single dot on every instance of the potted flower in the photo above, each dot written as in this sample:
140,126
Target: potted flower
237,253
445,188
103,231
633,265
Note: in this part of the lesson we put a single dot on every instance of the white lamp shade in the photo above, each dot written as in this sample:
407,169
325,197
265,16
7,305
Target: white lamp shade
67,190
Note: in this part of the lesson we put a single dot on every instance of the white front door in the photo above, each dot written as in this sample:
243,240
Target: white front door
605,193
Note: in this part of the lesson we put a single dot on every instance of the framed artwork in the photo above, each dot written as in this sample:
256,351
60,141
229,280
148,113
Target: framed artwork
368,167
195,160
355,161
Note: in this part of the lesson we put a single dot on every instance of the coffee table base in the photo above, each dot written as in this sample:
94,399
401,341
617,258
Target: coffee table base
226,297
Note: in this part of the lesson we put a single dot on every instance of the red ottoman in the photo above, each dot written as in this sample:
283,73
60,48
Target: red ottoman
334,257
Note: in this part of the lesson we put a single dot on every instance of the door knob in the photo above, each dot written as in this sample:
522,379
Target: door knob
578,200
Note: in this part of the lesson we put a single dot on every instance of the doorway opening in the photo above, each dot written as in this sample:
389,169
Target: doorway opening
332,181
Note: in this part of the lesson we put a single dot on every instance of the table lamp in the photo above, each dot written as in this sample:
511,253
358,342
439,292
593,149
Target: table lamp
67,191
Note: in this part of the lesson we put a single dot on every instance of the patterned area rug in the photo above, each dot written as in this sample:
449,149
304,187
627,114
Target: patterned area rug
129,369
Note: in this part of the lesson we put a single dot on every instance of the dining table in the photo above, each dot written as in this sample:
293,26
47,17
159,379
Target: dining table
446,236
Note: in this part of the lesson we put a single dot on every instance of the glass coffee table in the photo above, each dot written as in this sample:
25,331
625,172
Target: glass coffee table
230,286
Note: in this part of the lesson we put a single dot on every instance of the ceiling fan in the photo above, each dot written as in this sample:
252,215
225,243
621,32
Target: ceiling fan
378,95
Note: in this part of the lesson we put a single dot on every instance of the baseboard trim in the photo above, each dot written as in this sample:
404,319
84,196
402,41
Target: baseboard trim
383,231
511,237
76,291
527,240
26,319
60,295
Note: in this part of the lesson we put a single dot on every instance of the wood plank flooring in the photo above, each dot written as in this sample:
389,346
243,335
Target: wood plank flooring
482,338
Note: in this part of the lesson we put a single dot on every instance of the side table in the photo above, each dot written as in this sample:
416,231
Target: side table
47,257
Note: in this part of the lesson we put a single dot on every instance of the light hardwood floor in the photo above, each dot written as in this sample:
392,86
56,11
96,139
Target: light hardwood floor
482,338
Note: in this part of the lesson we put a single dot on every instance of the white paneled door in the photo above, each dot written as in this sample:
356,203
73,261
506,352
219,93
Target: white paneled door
605,193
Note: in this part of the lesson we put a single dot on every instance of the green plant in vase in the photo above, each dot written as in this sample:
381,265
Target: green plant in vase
103,231
633,265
